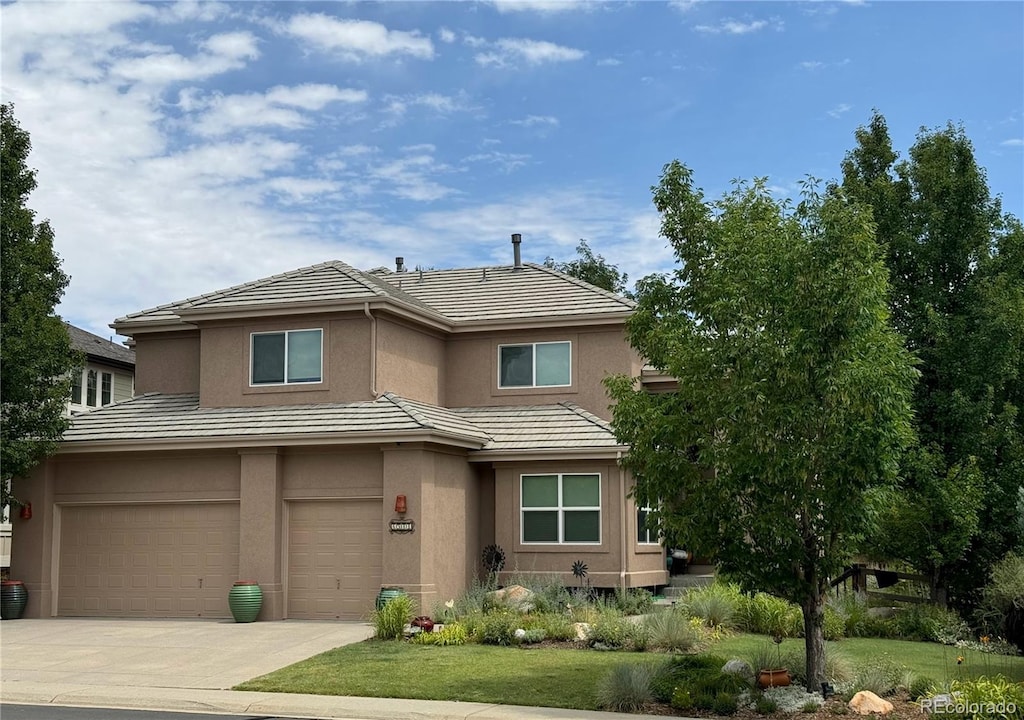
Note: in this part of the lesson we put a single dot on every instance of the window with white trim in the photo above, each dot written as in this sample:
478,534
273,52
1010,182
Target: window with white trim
560,509
285,358
543,364
646,534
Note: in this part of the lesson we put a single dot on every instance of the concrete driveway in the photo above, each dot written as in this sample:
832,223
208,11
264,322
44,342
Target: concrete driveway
198,654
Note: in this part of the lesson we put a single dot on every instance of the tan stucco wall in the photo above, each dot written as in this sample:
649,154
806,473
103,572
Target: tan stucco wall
346,363
410,362
167,363
456,497
472,369
606,568
312,473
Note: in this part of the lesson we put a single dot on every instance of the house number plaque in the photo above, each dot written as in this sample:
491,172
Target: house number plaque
401,526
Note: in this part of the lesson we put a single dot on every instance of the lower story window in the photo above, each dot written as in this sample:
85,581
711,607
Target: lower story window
646,528
561,508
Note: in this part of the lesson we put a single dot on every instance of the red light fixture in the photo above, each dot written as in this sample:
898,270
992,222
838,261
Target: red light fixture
400,506
26,511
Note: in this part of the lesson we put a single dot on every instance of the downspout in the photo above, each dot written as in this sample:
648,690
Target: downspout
625,518
373,350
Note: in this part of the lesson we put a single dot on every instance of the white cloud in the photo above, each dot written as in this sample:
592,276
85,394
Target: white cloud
506,162
840,110
473,41
609,62
1013,142
357,40
546,7
729,26
278,107
398,105
536,121
683,5
507,51
811,65
409,178
219,54
446,35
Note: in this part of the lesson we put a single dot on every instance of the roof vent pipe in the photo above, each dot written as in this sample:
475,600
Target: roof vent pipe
517,240
399,264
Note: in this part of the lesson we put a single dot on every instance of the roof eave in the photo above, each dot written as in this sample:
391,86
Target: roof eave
597,319
398,307
547,454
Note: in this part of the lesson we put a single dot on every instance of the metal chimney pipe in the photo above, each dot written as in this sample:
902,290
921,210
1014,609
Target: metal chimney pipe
517,240
399,264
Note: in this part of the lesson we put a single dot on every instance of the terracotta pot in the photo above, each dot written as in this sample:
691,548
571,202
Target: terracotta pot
778,677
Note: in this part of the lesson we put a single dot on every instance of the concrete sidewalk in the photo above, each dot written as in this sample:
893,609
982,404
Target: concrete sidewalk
190,664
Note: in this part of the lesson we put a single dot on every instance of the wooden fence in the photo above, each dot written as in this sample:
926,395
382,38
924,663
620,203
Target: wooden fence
857,576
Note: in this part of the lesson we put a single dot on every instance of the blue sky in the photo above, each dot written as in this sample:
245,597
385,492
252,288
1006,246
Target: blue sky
184,147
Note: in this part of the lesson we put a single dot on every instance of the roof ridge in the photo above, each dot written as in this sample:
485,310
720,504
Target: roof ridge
402,404
582,283
587,415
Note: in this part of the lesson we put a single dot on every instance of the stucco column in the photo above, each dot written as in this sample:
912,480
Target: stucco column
33,541
259,536
407,560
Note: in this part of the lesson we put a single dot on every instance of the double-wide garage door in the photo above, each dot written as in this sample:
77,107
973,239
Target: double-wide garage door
334,558
167,560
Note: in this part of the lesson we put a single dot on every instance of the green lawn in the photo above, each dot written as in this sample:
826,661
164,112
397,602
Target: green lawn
550,677
471,673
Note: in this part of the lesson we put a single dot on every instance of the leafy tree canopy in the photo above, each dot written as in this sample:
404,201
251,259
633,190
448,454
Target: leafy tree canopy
35,352
591,268
794,390
957,268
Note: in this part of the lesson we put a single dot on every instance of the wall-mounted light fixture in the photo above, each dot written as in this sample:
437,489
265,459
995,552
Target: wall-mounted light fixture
26,511
400,505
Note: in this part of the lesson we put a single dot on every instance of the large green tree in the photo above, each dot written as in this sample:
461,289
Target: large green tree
957,269
36,357
794,390
591,268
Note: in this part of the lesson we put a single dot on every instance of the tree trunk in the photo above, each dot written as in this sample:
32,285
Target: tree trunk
814,639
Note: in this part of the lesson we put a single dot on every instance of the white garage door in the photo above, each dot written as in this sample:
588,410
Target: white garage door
334,558
177,560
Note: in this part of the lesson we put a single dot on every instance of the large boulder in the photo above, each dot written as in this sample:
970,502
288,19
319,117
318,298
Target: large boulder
867,703
515,597
740,668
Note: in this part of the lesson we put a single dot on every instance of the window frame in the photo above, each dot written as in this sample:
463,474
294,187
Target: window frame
92,394
561,509
533,360
106,388
286,382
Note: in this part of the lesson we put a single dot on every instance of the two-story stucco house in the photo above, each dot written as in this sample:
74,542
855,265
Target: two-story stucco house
108,375
279,425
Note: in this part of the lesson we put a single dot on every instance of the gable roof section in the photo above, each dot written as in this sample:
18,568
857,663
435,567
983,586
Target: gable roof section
467,298
100,348
166,421
477,295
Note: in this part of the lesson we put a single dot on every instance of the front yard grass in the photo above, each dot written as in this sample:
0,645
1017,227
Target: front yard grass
470,673
563,678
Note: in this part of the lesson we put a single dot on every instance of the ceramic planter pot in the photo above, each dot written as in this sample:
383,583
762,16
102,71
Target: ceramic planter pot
245,601
778,677
387,594
13,597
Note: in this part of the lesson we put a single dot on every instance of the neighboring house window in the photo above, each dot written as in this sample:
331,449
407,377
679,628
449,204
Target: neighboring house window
90,388
645,534
76,389
559,509
282,358
544,364
106,388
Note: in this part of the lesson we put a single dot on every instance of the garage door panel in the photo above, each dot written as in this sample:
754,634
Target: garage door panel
334,558
148,560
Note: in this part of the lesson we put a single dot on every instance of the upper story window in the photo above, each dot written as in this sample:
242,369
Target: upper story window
561,509
92,388
545,364
282,358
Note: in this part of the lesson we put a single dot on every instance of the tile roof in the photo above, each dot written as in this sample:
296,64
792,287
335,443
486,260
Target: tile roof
473,295
164,418
99,347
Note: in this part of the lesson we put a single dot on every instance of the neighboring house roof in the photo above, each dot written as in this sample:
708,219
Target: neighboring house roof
100,349
154,419
453,298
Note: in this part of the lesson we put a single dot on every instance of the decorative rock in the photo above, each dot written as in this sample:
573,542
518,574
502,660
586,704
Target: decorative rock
582,630
867,703
514,596
740,668
519,634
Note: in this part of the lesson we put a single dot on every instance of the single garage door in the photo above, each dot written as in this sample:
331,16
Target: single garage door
175,560
334,558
